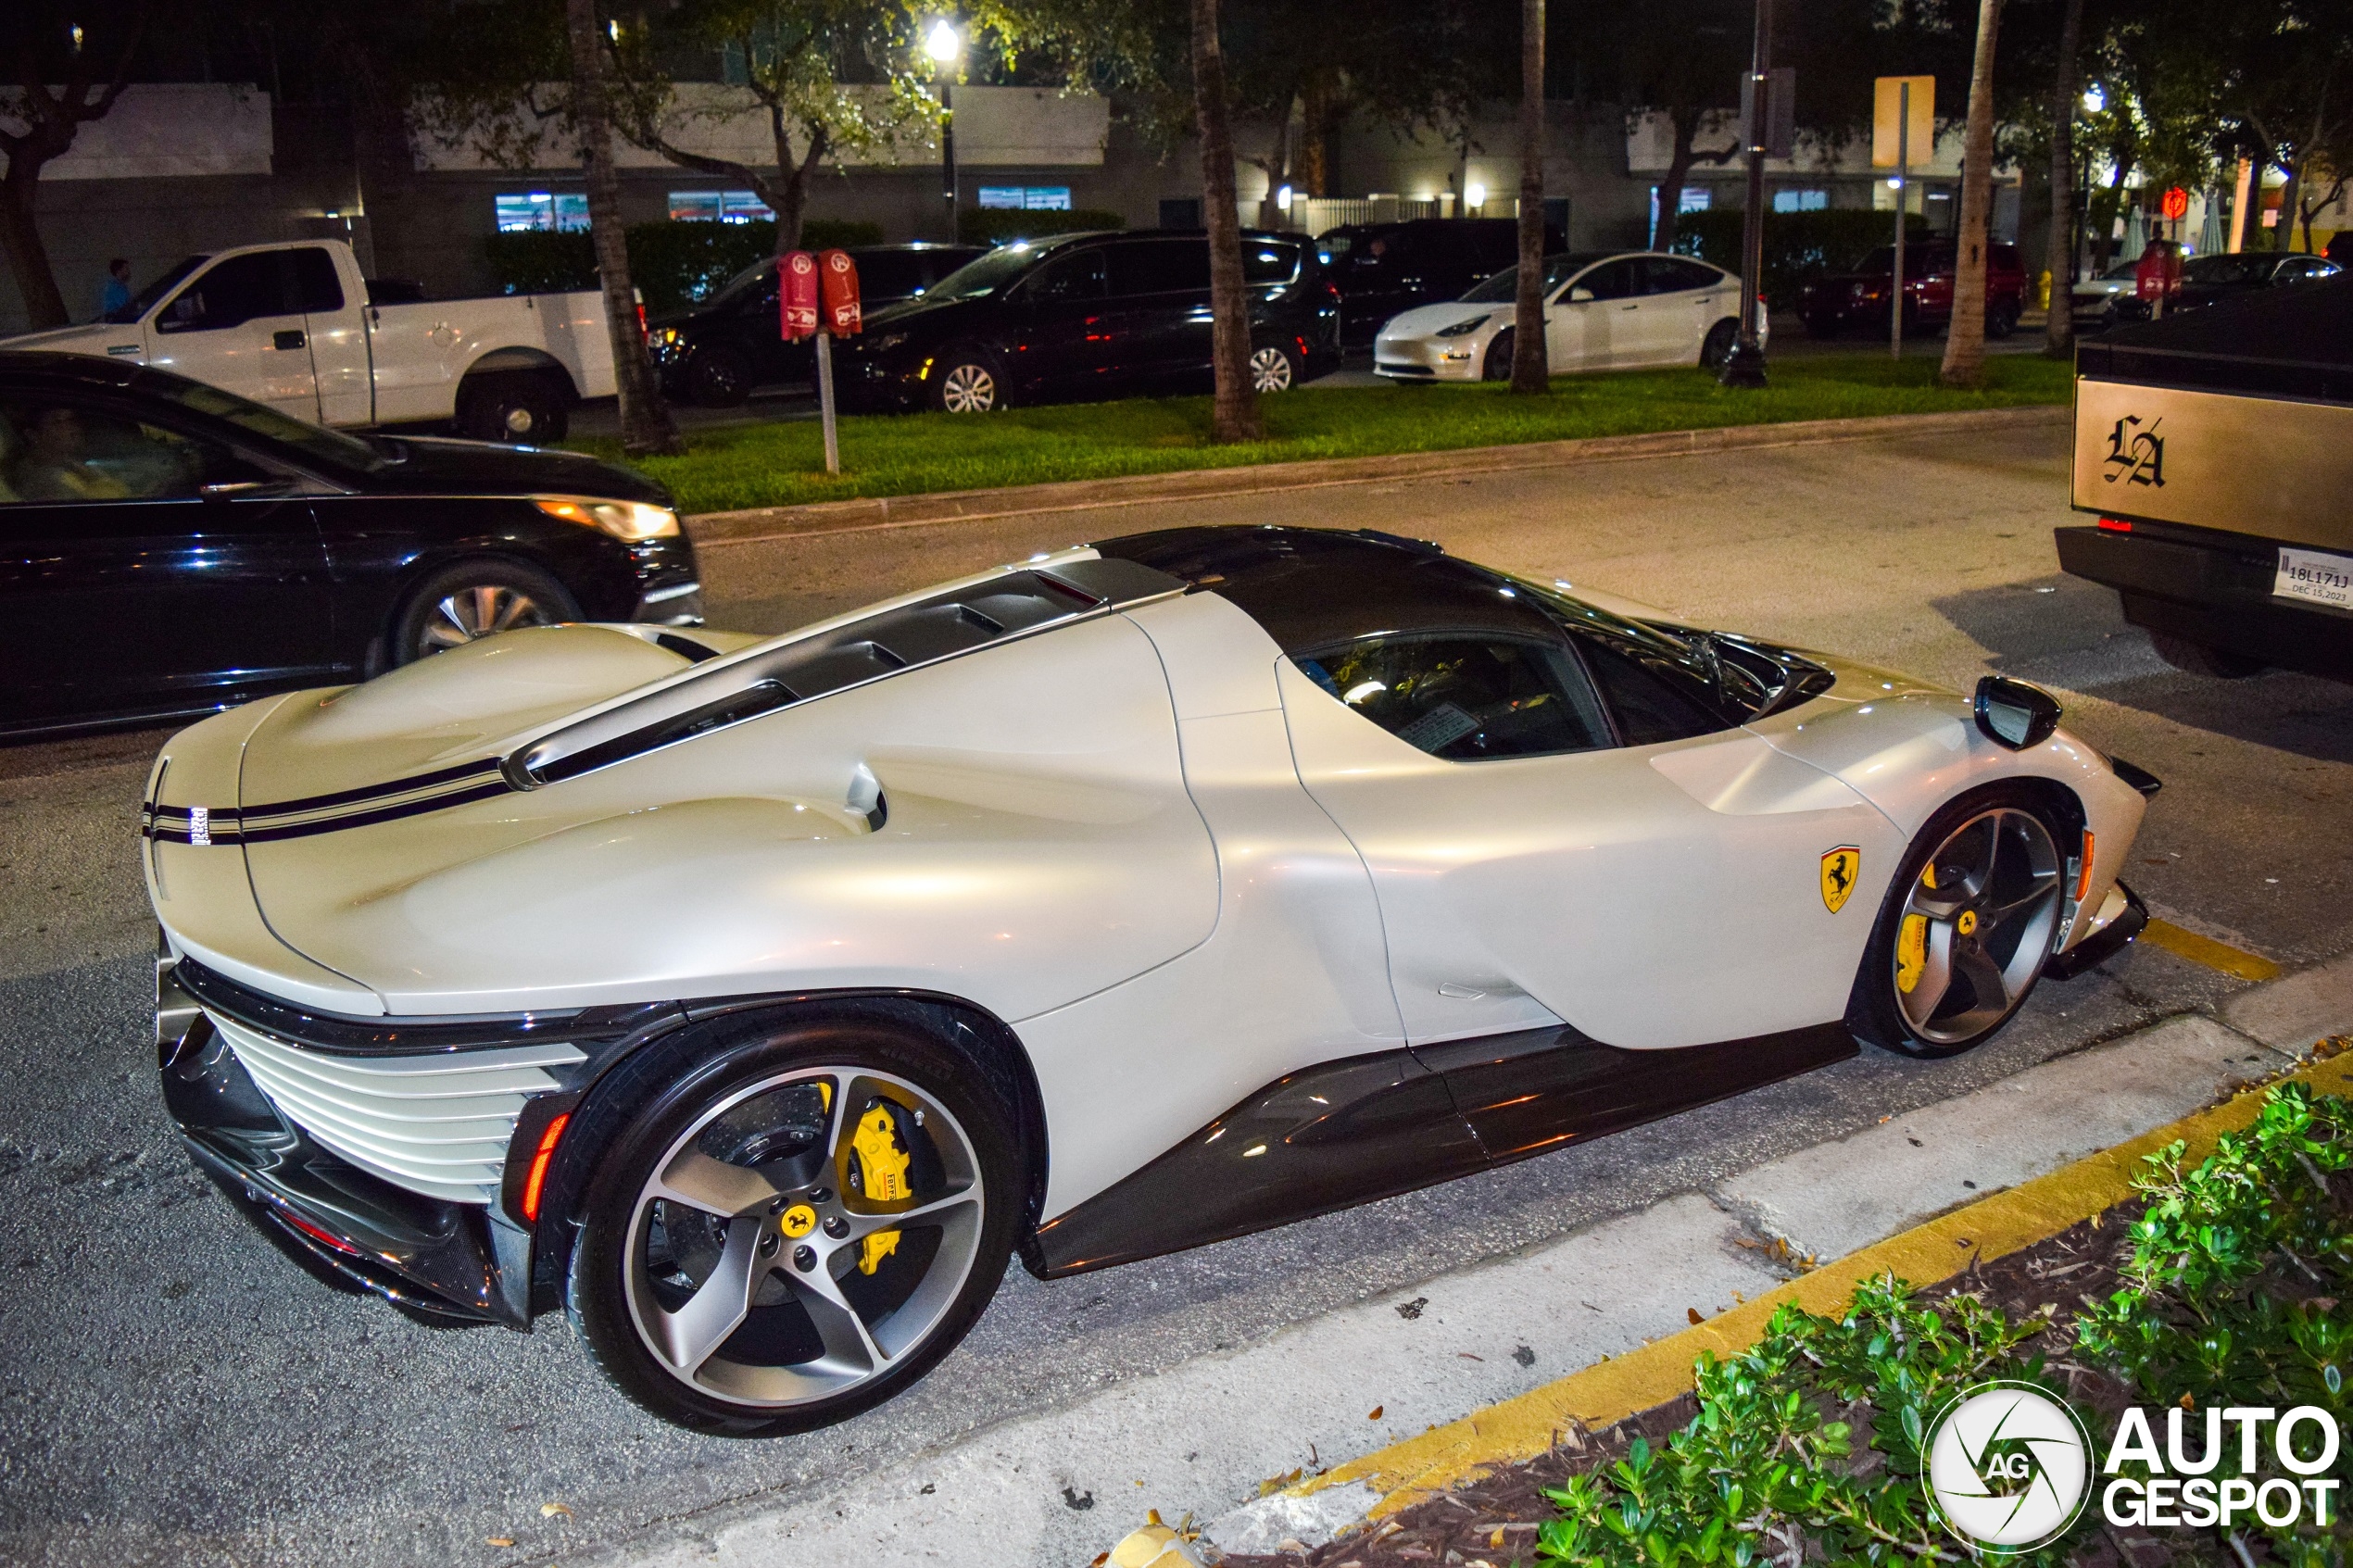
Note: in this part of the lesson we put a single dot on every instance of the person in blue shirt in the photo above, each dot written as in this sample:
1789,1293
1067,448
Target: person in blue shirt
116,291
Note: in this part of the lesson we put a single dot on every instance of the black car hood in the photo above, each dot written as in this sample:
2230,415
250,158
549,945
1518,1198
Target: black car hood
430,466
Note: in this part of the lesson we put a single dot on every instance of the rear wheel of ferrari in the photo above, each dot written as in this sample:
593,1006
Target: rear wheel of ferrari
1966,928
799,1230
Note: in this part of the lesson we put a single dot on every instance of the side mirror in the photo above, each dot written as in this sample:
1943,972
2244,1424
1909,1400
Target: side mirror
2014,714
1580,294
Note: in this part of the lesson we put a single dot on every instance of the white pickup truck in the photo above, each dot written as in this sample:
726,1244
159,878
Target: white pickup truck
297,327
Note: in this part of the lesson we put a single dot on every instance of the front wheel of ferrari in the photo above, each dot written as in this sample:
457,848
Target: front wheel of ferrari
798,1229
1966,929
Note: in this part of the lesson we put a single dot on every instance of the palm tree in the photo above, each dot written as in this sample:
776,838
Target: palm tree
2059,336
645,429
1964,339
1236,416
1529,372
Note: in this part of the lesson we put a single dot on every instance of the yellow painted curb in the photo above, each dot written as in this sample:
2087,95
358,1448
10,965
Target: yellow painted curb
1611,1390
2205,950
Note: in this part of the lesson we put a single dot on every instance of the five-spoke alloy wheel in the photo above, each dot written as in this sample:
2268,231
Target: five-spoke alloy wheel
473,599
1966,930
808,1236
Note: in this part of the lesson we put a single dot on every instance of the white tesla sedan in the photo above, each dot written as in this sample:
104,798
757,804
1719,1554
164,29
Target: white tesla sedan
1602,312
754,1000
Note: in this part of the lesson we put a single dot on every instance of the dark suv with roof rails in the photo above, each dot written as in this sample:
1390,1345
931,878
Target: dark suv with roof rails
1078,316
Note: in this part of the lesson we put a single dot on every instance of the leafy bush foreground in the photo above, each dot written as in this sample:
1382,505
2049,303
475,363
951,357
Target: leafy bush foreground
1809,1448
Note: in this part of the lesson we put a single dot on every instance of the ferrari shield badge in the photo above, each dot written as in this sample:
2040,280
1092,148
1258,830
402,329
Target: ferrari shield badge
1840,867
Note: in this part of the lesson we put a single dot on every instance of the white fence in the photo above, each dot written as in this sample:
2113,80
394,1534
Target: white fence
1313,215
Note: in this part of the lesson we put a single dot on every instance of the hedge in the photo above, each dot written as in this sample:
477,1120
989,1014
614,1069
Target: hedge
672,263
996,226
1797,244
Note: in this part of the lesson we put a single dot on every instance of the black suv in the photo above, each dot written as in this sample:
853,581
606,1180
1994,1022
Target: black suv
715,352
1382,269
1083,315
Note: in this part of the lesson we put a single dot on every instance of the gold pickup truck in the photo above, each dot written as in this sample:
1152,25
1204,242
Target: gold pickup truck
2216,450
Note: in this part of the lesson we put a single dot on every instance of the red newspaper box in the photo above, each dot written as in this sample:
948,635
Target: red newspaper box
797,294
842,314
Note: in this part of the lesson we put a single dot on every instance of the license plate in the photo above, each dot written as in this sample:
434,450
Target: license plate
2316,578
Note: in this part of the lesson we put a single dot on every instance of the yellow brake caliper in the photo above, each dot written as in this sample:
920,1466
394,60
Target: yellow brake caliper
878,1161
1911,943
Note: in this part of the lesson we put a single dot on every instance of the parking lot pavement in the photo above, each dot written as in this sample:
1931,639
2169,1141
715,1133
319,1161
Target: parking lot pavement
175,1392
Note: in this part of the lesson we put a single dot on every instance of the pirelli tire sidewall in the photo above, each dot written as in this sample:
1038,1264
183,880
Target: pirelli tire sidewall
638,1111
1873,1015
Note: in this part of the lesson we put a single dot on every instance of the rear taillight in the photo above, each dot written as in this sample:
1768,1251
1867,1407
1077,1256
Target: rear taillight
643,333
2116,525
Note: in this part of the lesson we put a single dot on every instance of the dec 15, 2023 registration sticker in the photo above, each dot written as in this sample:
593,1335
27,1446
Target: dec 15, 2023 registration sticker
2314,577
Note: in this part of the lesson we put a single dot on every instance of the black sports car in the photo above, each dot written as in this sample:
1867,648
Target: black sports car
1080,316
2211,279
716,352
167,548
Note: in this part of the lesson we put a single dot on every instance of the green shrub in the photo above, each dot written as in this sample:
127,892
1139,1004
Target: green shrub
672,263
1797,244
996,226
2239,1291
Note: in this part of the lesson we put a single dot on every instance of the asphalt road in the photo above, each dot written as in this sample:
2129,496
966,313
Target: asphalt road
172,1391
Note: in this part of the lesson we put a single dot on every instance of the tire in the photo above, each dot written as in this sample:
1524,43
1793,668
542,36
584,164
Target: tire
717,378
517,407
1497,366
2001,321
2196,658
965,382
1950,983
1722,338
1273,368
476,598
765,1140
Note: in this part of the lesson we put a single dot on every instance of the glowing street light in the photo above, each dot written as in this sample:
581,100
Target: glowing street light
2095,98
1476,194
1282,198
943,44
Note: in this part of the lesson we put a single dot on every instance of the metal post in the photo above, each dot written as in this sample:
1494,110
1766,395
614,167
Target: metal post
1903,203
948,155
825,399
1745,365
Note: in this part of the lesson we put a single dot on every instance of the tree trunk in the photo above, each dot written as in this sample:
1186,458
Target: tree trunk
2290,193
1237,411
1276,165
1684,120
645,429
1314,135
1531,373
20,242
2059,337
1964,339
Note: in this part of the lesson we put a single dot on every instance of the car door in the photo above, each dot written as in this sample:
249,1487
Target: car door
1160,309
143,569
1680,300
337,330
1591,325
1553,833
1063,328
239,325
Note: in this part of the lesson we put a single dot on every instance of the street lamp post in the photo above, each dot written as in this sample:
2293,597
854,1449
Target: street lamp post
1745,365
944,47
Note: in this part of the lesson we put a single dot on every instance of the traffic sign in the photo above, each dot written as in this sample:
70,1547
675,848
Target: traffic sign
2177,205
1886,94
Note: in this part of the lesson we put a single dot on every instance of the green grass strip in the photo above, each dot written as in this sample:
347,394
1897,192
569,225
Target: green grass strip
782,463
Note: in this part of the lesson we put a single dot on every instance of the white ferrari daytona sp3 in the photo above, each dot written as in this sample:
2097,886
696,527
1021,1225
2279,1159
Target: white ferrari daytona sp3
754,999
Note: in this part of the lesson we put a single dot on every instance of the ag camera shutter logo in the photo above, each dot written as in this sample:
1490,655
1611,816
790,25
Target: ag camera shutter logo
2008,1467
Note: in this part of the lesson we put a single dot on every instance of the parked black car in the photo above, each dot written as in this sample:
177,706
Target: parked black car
1381,268
716,352
1080,316
167,548
2209,280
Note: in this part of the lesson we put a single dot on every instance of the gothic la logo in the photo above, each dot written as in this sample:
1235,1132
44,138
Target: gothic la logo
2135,456
2008,1467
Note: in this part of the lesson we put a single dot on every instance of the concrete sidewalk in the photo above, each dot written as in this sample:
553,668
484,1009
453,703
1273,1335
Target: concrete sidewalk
1058,1487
